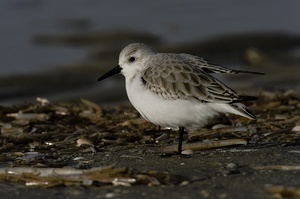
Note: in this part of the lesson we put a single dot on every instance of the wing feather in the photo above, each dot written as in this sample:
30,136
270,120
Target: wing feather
184,78
211,67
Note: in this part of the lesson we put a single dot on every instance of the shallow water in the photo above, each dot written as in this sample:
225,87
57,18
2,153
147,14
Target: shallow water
58,49
173,22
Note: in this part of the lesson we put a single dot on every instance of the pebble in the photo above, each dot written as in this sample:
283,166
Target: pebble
296,128
110,195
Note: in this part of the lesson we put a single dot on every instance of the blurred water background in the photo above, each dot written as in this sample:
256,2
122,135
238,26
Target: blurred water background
57,49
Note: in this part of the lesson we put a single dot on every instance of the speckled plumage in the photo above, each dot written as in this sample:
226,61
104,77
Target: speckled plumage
175,76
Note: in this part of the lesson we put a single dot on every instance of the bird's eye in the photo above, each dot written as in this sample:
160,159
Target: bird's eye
131,59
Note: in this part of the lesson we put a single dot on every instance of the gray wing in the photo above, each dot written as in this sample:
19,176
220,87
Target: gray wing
211,67
172,77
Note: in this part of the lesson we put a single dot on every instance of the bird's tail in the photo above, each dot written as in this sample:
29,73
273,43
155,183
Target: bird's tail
240,109
234,108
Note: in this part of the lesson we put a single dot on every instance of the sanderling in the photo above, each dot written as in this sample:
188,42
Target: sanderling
177,90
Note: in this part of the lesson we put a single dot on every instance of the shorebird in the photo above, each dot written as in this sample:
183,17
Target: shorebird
177,90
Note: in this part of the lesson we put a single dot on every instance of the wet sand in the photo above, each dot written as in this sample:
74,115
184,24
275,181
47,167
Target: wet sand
225,173
84,135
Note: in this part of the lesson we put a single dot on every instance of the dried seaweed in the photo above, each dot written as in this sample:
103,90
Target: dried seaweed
278,123
62,127
278,191
50,135
49,177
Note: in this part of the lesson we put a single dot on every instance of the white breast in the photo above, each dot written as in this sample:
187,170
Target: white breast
168,113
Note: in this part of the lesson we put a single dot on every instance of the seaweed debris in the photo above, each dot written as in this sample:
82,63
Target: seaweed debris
46,135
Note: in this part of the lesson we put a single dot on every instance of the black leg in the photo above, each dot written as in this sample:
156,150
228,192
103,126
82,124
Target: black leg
181,131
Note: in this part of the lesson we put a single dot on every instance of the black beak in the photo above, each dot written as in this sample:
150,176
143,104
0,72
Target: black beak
114,71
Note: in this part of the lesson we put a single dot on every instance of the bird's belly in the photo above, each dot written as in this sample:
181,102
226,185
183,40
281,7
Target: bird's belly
169,113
